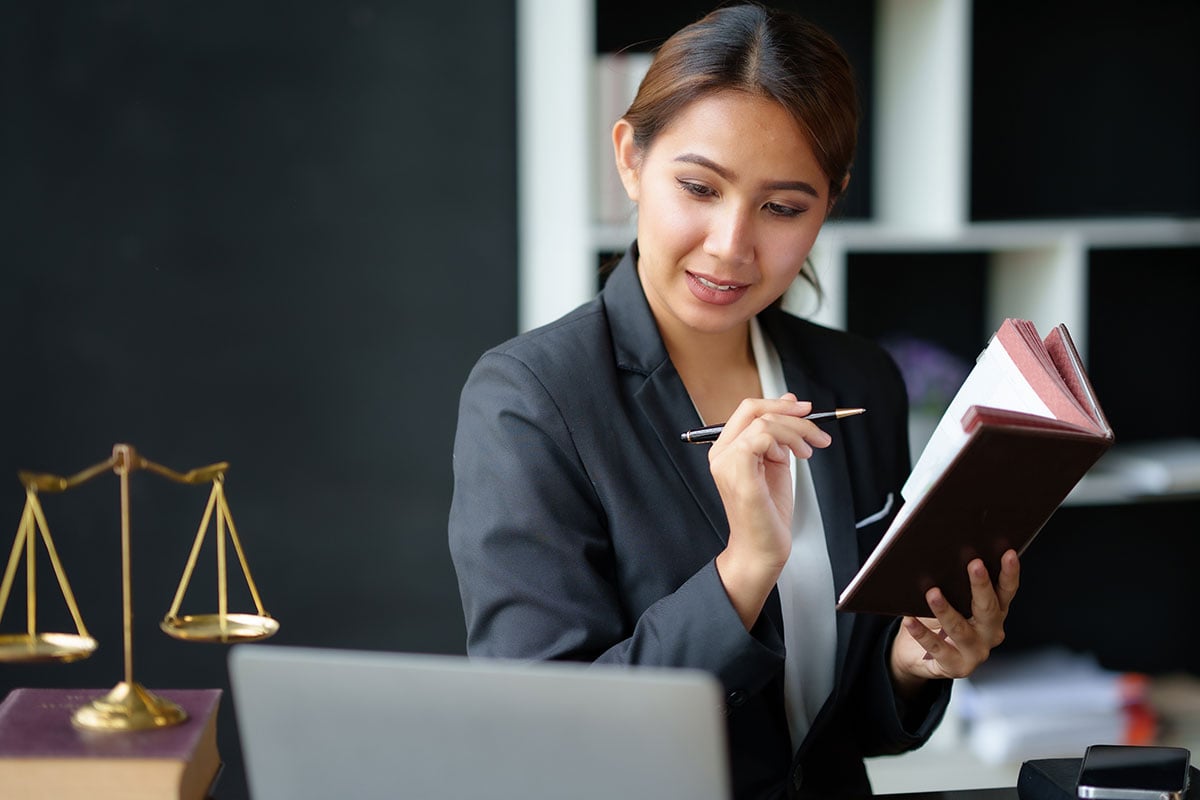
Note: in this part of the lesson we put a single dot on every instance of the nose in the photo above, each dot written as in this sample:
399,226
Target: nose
730,236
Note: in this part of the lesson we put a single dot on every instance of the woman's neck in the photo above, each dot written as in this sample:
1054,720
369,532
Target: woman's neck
710,353
718,370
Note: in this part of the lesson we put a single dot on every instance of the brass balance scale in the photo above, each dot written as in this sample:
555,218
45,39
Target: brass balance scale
129,706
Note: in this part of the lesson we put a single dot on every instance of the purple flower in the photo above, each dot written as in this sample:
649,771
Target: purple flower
932,375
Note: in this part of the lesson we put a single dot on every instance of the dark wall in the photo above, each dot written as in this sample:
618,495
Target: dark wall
273,234
1084,108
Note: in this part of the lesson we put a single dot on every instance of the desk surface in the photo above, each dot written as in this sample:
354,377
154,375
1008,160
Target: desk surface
999,793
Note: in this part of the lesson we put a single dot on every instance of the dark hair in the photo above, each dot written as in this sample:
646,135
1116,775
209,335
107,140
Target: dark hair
768,52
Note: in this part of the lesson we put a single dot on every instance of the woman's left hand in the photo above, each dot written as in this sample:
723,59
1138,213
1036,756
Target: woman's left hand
949,645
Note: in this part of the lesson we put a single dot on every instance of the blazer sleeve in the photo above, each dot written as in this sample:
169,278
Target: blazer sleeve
884,723
892,725
529,540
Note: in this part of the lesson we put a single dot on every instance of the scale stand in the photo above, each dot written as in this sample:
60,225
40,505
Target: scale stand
128,706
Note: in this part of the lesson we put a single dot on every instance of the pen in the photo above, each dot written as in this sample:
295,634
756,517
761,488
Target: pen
710,434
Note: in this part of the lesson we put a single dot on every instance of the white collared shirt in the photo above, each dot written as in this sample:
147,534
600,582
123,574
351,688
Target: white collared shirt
806,590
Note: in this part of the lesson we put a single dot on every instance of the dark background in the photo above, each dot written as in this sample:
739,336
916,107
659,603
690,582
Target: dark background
275,234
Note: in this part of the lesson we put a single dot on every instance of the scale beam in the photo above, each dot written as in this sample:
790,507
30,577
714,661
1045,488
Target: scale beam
129,706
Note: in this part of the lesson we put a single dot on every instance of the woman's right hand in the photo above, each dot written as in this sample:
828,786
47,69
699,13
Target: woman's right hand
751,465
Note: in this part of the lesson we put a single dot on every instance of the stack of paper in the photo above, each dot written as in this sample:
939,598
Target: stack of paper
1051,704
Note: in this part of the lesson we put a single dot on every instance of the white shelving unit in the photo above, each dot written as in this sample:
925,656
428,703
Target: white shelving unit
1037,270
556,262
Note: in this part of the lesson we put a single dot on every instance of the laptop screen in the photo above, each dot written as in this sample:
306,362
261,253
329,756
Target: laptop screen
324,723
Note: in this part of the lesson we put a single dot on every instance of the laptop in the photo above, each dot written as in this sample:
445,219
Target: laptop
325,723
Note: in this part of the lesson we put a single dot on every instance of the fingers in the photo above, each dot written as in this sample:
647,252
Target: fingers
984,603
951,648
1010,578
931,640
751,409
957,645
750,463
765,426
989,602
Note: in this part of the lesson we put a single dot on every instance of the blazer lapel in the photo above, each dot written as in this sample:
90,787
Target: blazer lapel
661,397
667,405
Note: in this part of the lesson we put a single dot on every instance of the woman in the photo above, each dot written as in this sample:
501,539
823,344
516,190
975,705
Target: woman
582,528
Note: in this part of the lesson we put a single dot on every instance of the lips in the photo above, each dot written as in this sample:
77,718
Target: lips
728,287
715,291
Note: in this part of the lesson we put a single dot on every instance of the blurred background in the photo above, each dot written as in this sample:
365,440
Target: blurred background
279,235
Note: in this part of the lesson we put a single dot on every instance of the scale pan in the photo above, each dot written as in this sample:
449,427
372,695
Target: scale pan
211,627
62,647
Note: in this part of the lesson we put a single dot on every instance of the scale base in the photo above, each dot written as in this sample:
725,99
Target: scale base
128,707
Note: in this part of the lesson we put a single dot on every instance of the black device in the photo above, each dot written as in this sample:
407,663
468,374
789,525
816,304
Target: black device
1133,772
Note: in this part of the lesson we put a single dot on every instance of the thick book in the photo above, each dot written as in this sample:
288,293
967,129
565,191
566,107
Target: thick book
44,757
1018,436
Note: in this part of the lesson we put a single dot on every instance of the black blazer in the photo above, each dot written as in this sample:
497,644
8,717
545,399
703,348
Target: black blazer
581,527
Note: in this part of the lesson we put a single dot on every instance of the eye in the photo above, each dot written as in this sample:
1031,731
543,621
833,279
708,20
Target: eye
779,210
696,189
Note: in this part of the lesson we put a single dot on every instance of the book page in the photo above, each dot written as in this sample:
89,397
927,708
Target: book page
995,381
1066,360
1020,338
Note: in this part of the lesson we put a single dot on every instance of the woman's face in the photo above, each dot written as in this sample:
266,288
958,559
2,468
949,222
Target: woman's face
730,199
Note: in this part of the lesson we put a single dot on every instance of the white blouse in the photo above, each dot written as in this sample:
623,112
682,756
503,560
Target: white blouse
806,589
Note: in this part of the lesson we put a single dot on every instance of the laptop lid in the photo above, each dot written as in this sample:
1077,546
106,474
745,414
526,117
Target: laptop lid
323,723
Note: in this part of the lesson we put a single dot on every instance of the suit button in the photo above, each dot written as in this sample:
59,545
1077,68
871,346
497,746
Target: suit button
798,778
736,698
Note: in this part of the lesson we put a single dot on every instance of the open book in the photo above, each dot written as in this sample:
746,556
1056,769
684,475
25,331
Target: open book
1023,429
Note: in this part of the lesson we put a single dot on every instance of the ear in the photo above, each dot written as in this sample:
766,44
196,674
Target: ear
628,157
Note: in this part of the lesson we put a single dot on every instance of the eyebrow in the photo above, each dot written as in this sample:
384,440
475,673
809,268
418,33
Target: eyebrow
729,175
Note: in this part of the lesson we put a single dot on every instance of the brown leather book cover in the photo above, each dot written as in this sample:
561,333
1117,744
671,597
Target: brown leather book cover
1010,475
997,494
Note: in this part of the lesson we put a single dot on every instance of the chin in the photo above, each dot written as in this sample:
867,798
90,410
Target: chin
712,321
